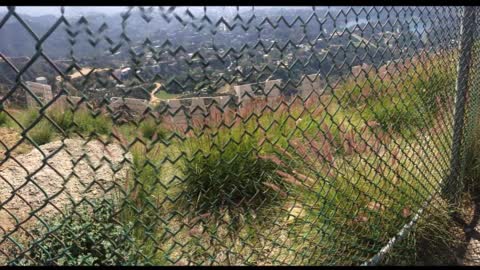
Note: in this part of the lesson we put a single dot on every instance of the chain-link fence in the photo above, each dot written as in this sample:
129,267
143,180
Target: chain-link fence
227,136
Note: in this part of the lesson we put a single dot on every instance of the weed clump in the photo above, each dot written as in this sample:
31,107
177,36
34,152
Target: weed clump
29,117
151,129
83,239
3,118
434,240
63,118
396,114
141,205
80,121
88,123
224,172
42,132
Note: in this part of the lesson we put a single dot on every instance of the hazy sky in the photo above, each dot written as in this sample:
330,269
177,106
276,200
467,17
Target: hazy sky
38,11
69,11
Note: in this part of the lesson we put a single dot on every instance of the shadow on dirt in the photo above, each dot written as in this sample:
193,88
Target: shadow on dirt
469,252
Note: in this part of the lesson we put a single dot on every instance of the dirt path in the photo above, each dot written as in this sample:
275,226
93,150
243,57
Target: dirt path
153,99
472,251
469,221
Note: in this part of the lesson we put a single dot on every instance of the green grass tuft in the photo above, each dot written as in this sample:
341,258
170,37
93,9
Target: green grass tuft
42,132
3,118
63,118
224,172
88,123
151,128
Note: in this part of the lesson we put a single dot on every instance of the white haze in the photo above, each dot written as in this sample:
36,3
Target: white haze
111,10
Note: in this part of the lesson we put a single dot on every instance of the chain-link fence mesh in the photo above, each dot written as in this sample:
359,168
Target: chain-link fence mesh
227,136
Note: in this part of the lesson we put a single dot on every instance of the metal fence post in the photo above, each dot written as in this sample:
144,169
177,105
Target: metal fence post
453,184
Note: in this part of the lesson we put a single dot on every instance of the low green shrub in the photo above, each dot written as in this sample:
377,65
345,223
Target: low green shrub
42,132
83,239
409,100
3,118
140,206
356,91
435,87
146,174
28,117
224,171
150,127
434,240
85,122
63,118
397,114
80,121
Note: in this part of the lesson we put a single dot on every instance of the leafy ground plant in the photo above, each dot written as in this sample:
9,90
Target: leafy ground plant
151,129
83,239
3,118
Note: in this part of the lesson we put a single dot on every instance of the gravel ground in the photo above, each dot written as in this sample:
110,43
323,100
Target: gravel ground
469,253
36,185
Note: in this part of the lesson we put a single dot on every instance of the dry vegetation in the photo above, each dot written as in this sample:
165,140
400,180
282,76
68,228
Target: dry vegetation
326,180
